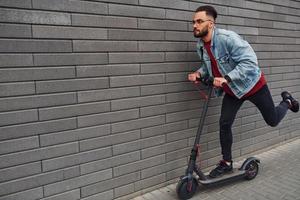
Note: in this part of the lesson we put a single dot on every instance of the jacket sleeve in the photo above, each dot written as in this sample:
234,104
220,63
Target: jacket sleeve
202,69
242,53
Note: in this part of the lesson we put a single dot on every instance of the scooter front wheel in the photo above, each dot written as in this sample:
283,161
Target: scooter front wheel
186,189
251,170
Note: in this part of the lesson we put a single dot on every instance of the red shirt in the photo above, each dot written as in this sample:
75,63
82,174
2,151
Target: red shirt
216,73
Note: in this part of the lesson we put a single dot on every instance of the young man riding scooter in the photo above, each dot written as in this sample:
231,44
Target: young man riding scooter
232,62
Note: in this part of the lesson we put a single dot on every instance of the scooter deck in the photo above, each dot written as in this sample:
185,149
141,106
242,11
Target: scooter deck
234,174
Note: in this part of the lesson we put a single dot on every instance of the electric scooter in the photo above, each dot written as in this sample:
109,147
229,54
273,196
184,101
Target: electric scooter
187,185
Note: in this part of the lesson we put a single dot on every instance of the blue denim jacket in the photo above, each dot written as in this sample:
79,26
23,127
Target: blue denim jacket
235,58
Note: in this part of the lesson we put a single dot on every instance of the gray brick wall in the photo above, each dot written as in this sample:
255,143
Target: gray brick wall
94,101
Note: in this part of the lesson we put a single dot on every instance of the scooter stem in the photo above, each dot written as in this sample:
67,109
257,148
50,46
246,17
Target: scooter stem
192,161
204,111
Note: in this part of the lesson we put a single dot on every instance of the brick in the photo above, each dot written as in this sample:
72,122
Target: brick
103,21
137,145
34,17
181,56
136,80
164,67
71,85
111,183
31,182
121,34
15,30
18,117
179,36
181,135
35,193
162,129
73,110
74,135
153,110
37,154
105,118
153,89
70,59
109,162
145,183
30,129
189,105
139,165
243,12
136,11
10,146
179,15
16,3
14,89
178,4
72,6
15,60
275,32
162,24
178,87
176,77
159,169
137,102
134,2
163,148
13,45
107,94
39,31
75,159
103,46
109,195
174,174
163,46
15,103
95,143
105,70
259,23
177,154
77,182
138,123
70,195
123,190
28,74
234,20
259,6
20,171
178,116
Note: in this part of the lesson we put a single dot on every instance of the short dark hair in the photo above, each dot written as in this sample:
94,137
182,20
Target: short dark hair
210,11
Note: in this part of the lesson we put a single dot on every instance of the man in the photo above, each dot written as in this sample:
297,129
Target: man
233,64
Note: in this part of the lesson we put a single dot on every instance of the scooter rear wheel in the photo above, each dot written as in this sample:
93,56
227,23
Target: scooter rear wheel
186,190
251,170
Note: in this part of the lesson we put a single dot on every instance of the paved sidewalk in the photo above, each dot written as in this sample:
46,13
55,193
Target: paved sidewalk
278,179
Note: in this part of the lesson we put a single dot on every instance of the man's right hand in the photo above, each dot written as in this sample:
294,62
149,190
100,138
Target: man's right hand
193,76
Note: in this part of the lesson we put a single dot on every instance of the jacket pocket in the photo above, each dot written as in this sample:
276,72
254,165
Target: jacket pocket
223,59
224,64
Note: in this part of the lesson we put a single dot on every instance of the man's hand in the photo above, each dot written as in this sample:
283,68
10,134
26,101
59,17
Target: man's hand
219,81
193,76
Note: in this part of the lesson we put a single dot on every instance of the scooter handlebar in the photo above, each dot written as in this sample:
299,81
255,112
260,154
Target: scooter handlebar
209,81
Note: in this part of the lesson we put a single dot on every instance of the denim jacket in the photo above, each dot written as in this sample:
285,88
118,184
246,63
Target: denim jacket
235,58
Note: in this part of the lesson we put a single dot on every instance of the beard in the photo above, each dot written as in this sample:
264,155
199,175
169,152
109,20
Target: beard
202,33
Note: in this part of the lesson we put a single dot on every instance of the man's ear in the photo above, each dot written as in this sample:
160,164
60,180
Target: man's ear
211,25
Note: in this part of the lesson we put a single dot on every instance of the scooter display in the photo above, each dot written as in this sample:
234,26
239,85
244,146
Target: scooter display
188,183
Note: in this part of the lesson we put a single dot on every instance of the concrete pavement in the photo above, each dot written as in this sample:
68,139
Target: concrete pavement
278,179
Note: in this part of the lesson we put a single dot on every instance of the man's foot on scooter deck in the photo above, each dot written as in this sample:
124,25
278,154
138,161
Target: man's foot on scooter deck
293,103
223,167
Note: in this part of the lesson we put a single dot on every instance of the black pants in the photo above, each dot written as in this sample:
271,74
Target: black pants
230,106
